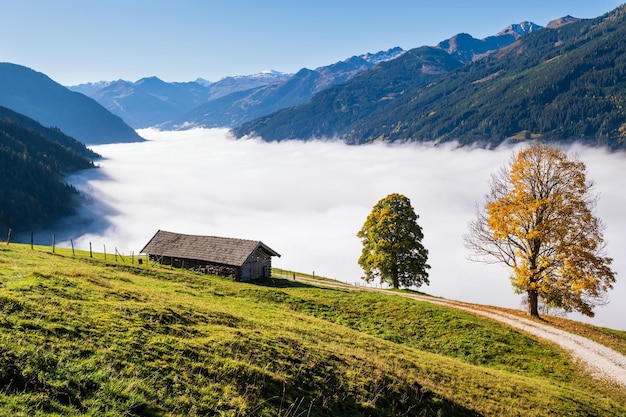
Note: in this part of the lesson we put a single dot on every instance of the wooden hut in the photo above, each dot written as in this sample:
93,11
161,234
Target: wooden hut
238,258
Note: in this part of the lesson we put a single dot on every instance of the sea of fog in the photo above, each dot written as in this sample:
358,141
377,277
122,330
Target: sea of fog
307,200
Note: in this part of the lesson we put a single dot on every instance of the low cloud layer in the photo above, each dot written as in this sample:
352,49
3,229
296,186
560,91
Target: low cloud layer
307,200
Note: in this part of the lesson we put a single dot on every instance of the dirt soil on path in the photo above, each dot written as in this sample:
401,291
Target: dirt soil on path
602,362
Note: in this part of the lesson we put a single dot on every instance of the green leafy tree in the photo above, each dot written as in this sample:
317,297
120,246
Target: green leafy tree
392,244
538,220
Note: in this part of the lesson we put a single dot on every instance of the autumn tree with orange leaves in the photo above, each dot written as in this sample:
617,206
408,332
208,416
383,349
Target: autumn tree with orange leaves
538,220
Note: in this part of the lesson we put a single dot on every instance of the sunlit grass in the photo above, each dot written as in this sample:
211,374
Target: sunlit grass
83,336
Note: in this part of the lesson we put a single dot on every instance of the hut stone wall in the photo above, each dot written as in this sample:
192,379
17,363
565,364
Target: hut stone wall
199,266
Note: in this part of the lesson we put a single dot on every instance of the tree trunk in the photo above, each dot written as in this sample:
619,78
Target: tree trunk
533,303
395,283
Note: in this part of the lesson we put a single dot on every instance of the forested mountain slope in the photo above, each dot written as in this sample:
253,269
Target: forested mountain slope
33,160
333,111
560,84
235,109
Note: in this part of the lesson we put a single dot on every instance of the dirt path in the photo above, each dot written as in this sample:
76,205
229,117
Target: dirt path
601,361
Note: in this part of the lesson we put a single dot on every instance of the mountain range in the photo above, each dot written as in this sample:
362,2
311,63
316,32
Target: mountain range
151,101
562,83
236,100
362,84
225,103
233,109
114,109
35,95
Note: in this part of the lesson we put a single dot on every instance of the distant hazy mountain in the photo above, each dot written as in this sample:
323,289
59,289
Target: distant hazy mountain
37,96
229,85
151,101
90,88
33,160
562,83
225,103
241,106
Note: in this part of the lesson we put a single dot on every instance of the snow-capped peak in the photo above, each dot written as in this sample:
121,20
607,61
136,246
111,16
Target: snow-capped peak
382,56
520,29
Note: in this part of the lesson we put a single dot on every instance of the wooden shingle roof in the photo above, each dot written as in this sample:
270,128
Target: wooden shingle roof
219,250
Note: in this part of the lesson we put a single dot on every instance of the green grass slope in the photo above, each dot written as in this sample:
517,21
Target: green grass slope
81,336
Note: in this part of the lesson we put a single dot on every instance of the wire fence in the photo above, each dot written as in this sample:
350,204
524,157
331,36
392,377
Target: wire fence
95,252
102,252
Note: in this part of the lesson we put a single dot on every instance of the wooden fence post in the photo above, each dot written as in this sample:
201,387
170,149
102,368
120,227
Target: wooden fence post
118,253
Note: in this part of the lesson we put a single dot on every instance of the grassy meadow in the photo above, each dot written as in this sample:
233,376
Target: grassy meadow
83,336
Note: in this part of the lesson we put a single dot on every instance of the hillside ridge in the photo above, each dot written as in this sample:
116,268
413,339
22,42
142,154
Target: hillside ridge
83,334
602,361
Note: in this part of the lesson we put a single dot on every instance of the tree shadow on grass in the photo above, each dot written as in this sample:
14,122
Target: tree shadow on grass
282,283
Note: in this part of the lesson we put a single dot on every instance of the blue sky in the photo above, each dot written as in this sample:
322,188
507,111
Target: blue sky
76,41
